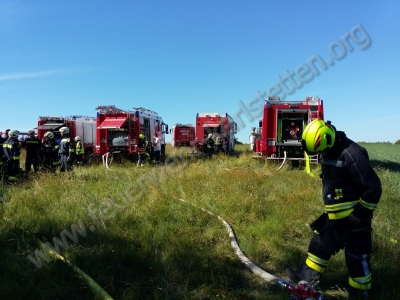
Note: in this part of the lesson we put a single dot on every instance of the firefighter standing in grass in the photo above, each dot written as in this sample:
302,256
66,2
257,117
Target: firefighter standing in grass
11,151
2,157
351,191
51,149
67,150
32,146
210,144
141,150
79,150
157,147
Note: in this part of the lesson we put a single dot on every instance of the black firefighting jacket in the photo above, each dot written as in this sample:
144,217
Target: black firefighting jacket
32,146
2,156
51,149
350,184
11,151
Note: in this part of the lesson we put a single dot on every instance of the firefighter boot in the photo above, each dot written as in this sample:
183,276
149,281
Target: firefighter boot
304,274
356,294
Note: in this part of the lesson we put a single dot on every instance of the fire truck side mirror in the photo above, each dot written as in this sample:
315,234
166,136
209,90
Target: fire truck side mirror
164,128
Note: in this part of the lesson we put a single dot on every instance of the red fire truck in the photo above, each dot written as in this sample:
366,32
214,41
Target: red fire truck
82,126
182,135
118,130
282,126
220,126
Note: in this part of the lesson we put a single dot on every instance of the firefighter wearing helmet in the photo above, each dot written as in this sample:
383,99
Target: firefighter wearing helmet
33,147
67,150
2,157
351,191
11,150
79,150
141,150
51,149
210,144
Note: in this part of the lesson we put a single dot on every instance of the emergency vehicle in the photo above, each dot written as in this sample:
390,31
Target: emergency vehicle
118,130
282,126
182,135
82,126
219,126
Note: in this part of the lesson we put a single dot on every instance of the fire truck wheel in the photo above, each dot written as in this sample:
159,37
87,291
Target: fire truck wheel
88,157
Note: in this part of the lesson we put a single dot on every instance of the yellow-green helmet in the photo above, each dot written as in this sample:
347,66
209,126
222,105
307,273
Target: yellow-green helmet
141,136
317,136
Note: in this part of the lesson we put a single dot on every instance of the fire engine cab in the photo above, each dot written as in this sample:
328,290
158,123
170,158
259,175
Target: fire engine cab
82,126
118,130
222,128
282,126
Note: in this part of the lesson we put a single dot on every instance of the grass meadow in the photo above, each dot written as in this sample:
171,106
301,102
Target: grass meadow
137,240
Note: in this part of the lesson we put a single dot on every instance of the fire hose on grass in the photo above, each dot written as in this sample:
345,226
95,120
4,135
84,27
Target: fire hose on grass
299,291
93,285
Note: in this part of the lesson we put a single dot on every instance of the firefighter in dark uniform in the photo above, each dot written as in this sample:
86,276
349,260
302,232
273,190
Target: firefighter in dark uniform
3,158
141,150
210,145
150,151
225,143
51,149
67,150
351,191
33,146
218,145
11,151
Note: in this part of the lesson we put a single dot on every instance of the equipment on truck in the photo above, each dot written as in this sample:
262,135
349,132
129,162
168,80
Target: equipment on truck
182,135
281,128
118,130
222,128
78,125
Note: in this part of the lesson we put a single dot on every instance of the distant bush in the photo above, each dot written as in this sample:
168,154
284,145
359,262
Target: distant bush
377,142
397,142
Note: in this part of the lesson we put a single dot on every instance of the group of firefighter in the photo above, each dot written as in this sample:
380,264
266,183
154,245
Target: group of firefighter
42,155
149,150
217,146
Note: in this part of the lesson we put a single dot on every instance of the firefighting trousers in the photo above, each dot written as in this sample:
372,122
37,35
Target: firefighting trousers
32,161
354,239
79,159
11,171
50,165
141,158
65,164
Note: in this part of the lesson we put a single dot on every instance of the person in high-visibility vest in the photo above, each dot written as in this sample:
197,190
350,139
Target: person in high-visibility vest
351,191
79,151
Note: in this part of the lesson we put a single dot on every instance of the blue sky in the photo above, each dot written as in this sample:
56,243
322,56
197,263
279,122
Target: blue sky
179,58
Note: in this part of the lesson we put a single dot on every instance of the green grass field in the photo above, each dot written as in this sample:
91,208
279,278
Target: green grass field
137,240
